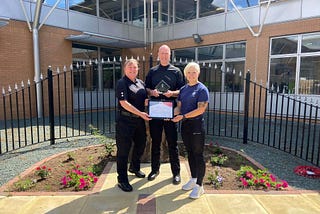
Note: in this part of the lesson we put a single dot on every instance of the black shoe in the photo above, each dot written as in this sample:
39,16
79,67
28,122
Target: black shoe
125,186
176,179
153,175
138,173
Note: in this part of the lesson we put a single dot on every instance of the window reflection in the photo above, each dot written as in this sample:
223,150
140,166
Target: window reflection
286,45
218,73
234,76
310,43
210,53
283,74
111,9
242,4
211,76
84,6
309,81
236,50
185,10
161,13
211,7
184,55
61,4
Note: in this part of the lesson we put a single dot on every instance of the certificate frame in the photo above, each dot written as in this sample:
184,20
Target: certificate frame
161,109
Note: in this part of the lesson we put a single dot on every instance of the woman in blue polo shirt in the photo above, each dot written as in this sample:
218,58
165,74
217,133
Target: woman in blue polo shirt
192,103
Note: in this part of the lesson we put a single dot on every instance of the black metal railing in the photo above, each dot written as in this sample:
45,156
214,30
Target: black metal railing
63,109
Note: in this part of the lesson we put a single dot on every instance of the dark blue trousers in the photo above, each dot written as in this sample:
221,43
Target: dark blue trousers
129,130
170,129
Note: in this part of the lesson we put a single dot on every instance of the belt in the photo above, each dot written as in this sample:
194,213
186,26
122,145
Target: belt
128,114
193,118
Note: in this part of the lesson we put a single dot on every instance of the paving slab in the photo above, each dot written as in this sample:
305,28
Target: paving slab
287,204
234,203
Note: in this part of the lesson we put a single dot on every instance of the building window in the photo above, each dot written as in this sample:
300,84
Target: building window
92,72
211,7
222,66
88,7
61,4
185,10
295,64
242,4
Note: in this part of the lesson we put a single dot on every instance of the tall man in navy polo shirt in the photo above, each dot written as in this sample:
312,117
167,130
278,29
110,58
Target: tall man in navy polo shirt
172,77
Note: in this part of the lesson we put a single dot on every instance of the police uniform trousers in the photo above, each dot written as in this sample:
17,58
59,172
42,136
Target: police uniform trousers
129,130
193,136
170,129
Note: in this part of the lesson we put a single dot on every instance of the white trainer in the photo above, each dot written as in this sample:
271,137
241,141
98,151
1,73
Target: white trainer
190,185
196,192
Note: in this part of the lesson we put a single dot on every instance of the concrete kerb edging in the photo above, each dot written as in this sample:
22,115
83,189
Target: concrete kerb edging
97,187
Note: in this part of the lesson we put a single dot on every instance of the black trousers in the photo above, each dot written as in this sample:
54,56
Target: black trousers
129,130
170,129
193,136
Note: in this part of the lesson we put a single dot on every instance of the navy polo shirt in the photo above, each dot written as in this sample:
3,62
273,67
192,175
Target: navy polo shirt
190,96
170,74
134,92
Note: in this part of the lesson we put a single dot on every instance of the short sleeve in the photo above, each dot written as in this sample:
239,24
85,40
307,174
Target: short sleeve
203,95
122,93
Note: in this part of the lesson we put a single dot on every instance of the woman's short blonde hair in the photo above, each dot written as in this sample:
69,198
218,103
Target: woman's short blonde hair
191,65
131,61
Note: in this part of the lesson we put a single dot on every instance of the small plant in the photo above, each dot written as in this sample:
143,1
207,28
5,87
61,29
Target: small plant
215,179
218,159
109,144
216,149
70,156
110,148
78,179
43,172
96,169
259,179
23,185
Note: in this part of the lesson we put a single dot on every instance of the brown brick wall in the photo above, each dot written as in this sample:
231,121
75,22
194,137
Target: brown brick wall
17,49
16,45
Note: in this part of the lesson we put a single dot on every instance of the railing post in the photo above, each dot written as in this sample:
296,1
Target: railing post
51,105
246,108
150,61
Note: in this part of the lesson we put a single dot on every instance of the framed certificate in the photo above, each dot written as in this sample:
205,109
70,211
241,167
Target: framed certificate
161,109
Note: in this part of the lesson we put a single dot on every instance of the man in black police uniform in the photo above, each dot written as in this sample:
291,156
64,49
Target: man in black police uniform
170,76
130,125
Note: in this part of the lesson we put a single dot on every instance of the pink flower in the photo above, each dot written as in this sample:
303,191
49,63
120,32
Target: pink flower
285,184
273,178
64,181
268,184
249,175
244,182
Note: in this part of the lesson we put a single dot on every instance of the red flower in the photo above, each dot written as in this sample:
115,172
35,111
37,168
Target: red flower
285,184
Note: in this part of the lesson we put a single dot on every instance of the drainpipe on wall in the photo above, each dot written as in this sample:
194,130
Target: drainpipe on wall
36,50
36,55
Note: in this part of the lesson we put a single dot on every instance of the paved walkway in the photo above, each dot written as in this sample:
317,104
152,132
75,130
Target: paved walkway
159,196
